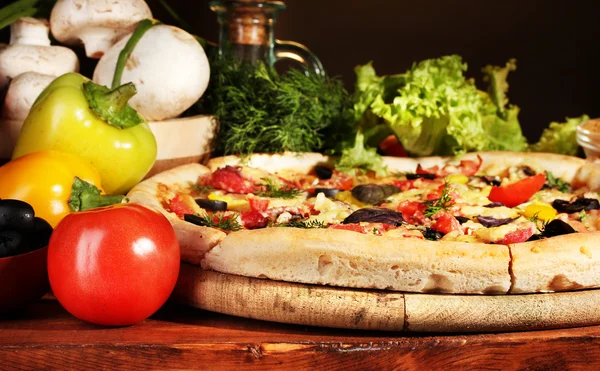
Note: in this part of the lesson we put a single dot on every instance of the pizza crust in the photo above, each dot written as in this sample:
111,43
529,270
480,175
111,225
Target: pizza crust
348,259
194,240
563,263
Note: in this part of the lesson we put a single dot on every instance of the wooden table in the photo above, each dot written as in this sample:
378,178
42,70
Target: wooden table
44,336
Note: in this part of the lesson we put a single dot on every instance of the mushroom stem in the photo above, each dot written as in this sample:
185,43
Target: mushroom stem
30,31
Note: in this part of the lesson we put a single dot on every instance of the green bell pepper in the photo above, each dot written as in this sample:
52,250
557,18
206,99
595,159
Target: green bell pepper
75,115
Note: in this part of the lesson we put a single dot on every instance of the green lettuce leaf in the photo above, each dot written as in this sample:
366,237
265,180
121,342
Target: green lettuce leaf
360,156
560,137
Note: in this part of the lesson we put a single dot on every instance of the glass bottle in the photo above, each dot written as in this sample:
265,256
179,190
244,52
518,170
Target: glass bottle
248,28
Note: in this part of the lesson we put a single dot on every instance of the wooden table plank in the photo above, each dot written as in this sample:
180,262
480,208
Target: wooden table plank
44,336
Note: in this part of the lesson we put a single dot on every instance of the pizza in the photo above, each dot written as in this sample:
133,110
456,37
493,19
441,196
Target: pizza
482,223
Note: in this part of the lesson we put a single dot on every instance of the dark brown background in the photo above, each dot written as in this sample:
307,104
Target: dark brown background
555,42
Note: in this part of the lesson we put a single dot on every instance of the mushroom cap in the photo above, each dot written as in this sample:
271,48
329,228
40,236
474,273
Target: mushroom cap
49,60
98,24
22,93
168,67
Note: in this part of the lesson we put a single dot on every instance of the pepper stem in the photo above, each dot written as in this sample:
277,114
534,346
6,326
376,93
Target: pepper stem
85,196
111,105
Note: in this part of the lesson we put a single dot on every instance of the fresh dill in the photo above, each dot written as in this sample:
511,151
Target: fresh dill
540,224
260,110
218,220
444,202
307,224
202,188
273,190
557,183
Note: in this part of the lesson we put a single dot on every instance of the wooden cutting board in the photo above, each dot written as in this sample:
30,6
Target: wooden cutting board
382,310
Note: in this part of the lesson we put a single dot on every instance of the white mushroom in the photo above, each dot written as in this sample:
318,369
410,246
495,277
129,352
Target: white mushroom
20,96
22,92
168,67
30,50
98,24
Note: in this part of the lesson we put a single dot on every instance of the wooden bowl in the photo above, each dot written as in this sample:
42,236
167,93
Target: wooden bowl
23,279
182,141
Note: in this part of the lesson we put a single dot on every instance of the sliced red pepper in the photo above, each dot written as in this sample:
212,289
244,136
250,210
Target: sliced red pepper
517,193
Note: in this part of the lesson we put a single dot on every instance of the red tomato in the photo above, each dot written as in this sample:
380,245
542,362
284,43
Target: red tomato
412,211
114,265
446,223
515,194
520,235
405,185
230,179
338,180
391,147
179,206
470,167
466,167
258,204
253,219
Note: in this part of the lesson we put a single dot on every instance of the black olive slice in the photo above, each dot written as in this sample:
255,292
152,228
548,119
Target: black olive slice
462,219
420,176
375,215
323,172
491,180
373,193
527,170
431,234
213,205
328,192
194,219
557,227
576,206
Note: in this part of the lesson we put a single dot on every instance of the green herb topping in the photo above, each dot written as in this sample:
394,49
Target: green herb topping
308,224
271,189
442,203
557,183
217,220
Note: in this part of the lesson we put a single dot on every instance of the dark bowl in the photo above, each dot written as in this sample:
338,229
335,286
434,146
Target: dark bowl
23,279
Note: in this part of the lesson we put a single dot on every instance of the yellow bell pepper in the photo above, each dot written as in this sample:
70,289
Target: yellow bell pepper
457,179
540,210
53,183
75,115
